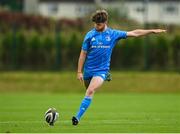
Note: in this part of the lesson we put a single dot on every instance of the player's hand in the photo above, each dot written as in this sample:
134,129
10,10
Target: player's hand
156,31
80,76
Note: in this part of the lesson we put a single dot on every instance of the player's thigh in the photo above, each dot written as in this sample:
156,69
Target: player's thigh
95,83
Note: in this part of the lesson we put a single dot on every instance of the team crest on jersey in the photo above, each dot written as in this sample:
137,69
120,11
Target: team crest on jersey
93,39
108,38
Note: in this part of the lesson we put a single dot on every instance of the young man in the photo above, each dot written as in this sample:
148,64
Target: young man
95,56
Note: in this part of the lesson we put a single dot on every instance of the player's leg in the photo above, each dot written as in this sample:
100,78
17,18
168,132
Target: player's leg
86,83
95,83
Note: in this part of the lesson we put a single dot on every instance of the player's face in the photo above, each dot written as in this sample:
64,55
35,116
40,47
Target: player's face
100,26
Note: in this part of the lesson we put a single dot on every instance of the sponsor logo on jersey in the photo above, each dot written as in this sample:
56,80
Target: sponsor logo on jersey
93,39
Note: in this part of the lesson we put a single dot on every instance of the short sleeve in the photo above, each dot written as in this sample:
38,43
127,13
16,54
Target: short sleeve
120,34
86,43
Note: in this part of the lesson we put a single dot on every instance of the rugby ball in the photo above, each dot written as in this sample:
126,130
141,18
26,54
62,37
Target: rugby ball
51,116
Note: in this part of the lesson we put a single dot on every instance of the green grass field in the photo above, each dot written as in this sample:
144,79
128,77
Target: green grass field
131,102
153,82
109,112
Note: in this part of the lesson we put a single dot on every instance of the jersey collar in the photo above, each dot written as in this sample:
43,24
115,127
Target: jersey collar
103,30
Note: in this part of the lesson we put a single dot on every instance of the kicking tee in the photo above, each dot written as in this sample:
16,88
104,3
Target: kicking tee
99,46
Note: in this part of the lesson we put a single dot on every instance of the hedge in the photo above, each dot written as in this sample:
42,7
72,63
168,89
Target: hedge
37,51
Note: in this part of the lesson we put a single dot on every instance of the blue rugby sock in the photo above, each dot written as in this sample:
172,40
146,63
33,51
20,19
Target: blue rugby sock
83,107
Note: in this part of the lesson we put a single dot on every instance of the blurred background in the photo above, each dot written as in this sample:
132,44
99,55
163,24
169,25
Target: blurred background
40,42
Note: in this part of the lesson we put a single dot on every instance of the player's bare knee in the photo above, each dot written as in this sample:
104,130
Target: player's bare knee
90,92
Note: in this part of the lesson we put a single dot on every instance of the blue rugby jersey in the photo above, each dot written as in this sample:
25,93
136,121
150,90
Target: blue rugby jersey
99,46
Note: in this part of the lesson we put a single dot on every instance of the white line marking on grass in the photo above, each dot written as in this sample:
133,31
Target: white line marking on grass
66,121
87,122
7,122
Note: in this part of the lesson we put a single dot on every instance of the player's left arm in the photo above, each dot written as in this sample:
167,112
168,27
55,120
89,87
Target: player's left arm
142,32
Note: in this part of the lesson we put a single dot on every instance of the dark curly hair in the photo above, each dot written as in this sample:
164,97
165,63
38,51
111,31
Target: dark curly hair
100,16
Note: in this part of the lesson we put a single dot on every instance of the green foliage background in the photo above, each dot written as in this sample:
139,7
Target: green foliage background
37,43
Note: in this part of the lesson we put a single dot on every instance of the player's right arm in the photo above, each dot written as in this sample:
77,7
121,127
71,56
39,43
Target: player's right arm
81,61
